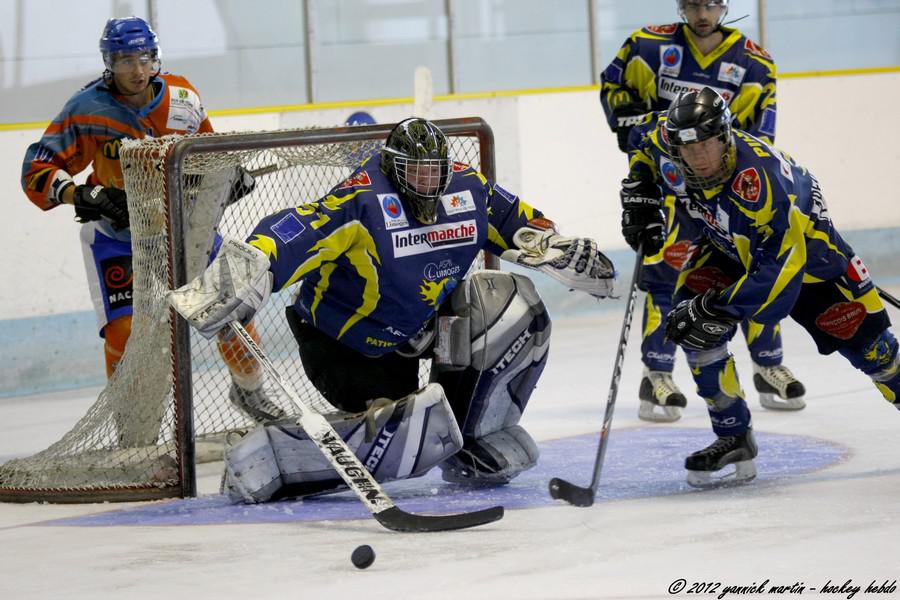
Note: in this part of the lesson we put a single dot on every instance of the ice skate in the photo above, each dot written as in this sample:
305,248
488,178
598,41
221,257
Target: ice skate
255,404
704,466
661,400
778,388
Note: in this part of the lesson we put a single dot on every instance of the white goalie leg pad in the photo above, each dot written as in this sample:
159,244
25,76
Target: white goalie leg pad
494,459
394,440
251,471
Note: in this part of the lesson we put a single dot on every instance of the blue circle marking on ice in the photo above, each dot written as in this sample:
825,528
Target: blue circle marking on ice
640,462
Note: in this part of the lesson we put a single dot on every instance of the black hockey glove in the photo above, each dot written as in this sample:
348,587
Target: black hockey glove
243,185
695,325
627,115
93,202
643,219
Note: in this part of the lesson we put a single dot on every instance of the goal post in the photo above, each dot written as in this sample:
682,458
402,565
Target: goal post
167,405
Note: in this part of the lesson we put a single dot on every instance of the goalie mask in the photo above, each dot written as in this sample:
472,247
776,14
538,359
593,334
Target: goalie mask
698,133
416,159
129,42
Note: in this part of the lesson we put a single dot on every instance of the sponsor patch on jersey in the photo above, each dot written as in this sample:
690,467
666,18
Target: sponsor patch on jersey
118,280
434,238
670,173
767,123
857,270
361,178
288,228
751,47
613,73
662,29
731,73
185,111
704,278
459,167
458,202
676,254
508,196
444,269
394,217
670,56
747,185
841,320
670,88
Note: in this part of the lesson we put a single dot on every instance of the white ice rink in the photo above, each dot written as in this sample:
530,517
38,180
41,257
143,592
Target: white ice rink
824,509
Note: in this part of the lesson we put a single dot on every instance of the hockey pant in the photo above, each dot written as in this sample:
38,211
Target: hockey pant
393,440
659,275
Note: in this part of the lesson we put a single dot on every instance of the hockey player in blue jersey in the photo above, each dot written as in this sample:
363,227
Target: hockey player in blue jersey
653,66
769,250
382,262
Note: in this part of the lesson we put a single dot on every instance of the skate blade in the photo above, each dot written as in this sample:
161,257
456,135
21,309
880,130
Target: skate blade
744,472
648,412
774,402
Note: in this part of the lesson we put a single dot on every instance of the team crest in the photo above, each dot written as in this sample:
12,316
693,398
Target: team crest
751,47
459,167
747,185
361,178
394,217
662,29
670,59
670,174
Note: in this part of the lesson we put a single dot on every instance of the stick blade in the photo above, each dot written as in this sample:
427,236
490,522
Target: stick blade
396,519
575,495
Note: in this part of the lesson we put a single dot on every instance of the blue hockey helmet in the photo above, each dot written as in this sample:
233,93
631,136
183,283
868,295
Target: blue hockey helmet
360,118
128,35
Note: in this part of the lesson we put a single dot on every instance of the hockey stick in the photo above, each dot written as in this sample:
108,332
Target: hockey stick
892,300
354,474
584,496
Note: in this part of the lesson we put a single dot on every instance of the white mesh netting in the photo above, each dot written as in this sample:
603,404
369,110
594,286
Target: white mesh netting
126,446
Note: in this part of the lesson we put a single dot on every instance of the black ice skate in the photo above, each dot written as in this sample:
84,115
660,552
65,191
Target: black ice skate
661,400
255,404
704,466
778,388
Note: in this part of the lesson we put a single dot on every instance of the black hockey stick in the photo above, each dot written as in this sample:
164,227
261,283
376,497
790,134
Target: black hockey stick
584,496
892,300
354,474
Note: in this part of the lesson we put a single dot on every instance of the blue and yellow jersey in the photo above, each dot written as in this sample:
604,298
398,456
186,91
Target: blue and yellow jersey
371,274
90,128
769,216
658,62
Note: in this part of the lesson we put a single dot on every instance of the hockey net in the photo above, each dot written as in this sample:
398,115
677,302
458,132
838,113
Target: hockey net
167,405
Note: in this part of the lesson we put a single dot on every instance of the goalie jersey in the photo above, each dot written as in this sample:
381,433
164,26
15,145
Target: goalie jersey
770,216
90,129
658,62
372,275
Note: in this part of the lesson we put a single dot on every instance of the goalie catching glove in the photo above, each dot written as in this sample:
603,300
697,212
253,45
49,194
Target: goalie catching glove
574,262
232,288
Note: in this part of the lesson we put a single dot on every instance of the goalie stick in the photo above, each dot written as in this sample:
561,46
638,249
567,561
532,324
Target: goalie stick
561,489
892,300
354,474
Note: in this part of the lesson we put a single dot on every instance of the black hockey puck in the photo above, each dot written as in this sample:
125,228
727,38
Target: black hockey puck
363,556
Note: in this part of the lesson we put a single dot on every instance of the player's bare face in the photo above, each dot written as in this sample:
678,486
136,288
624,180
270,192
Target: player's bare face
424,178
132,72
704,158
703,17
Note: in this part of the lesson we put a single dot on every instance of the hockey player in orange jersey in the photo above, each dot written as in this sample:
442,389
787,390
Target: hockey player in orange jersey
132,99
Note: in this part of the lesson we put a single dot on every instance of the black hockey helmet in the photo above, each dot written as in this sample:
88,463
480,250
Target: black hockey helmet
695,117
416,158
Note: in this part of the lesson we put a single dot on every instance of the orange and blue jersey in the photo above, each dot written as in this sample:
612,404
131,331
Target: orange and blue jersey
90,128
769,216
372,275
658,62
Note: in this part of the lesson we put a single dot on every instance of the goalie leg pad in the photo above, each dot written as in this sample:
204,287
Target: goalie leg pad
394,440
494,459
506,337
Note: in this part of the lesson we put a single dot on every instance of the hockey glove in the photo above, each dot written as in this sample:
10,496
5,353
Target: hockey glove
643,219
695,325
93,202
627,115
574,262
243,185
232,288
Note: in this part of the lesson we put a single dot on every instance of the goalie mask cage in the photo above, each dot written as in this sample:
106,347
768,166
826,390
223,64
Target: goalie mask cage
167,405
